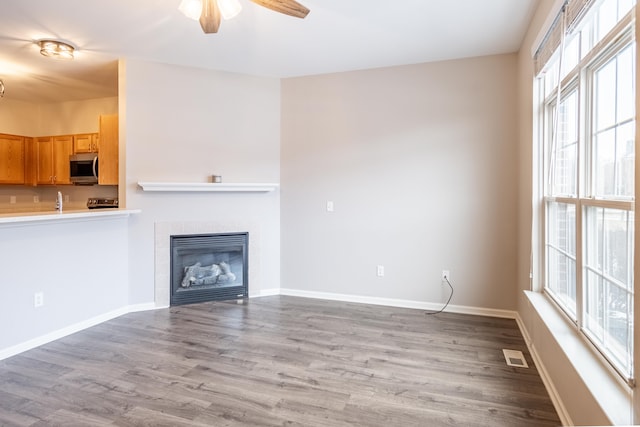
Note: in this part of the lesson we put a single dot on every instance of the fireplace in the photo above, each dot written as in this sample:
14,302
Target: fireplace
208,267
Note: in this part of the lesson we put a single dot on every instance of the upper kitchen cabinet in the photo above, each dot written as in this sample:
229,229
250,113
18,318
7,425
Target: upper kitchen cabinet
108,157
85,143
30,161
11,159
53,159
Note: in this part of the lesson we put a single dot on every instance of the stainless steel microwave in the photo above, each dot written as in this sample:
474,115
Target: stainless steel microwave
83,168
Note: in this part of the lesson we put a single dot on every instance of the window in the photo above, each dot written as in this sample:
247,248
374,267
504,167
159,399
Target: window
587,96
608,284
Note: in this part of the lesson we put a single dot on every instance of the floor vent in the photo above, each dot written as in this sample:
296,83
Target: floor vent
515,358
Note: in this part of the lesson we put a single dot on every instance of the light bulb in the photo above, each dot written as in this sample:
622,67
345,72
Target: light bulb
229,8
191,8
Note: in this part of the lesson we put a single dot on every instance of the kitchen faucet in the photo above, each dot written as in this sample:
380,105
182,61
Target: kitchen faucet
59,202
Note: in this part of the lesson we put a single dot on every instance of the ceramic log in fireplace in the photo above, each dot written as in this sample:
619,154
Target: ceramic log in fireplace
208,267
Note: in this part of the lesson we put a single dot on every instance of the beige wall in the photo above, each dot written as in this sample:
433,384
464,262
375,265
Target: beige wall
419,161
59,118
636,314
18,118
74,116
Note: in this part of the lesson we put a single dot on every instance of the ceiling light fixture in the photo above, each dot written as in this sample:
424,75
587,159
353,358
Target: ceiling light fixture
193,8
209,12
56,49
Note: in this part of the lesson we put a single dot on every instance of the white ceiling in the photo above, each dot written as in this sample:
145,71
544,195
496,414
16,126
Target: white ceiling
337,35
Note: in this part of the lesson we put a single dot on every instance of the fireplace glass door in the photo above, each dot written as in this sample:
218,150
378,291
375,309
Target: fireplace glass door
207,267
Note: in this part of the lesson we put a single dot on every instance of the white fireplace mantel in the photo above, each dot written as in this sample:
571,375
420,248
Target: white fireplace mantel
207,186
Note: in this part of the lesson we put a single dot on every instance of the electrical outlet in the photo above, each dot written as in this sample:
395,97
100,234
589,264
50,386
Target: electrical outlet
36,199
380,270
66,198
445,275
12,199
38,299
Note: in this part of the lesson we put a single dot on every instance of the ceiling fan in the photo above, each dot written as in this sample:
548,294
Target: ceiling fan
212,10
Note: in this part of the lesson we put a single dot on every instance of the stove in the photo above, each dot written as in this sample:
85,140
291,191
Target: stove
102,203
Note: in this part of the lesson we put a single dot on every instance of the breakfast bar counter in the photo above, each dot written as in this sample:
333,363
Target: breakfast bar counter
53,216
61,272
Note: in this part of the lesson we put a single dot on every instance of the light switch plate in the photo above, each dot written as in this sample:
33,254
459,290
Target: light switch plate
329,206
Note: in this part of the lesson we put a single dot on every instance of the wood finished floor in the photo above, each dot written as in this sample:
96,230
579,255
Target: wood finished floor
278,361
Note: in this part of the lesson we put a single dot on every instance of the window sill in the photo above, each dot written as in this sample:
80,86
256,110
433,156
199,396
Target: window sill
604,384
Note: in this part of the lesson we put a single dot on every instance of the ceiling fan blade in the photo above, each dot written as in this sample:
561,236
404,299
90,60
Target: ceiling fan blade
210,16
288,7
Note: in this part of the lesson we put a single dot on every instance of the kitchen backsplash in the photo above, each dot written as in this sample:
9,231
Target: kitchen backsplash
19,198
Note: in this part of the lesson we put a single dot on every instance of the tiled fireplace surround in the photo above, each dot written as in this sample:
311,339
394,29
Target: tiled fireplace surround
165,229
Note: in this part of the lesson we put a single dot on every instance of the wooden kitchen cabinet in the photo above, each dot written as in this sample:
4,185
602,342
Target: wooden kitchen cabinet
85,143
11,159
53,159
30,162
108,157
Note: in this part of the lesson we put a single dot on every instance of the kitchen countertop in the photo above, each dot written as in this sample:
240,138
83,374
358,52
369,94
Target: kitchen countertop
40,217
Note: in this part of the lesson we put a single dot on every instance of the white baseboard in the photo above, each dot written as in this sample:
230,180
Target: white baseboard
142,307
265,293
420,305
544,375
72,329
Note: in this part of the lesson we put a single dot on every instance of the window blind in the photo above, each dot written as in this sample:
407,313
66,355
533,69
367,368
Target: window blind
572,12
576,9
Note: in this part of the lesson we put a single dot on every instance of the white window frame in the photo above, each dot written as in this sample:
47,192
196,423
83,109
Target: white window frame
581,79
